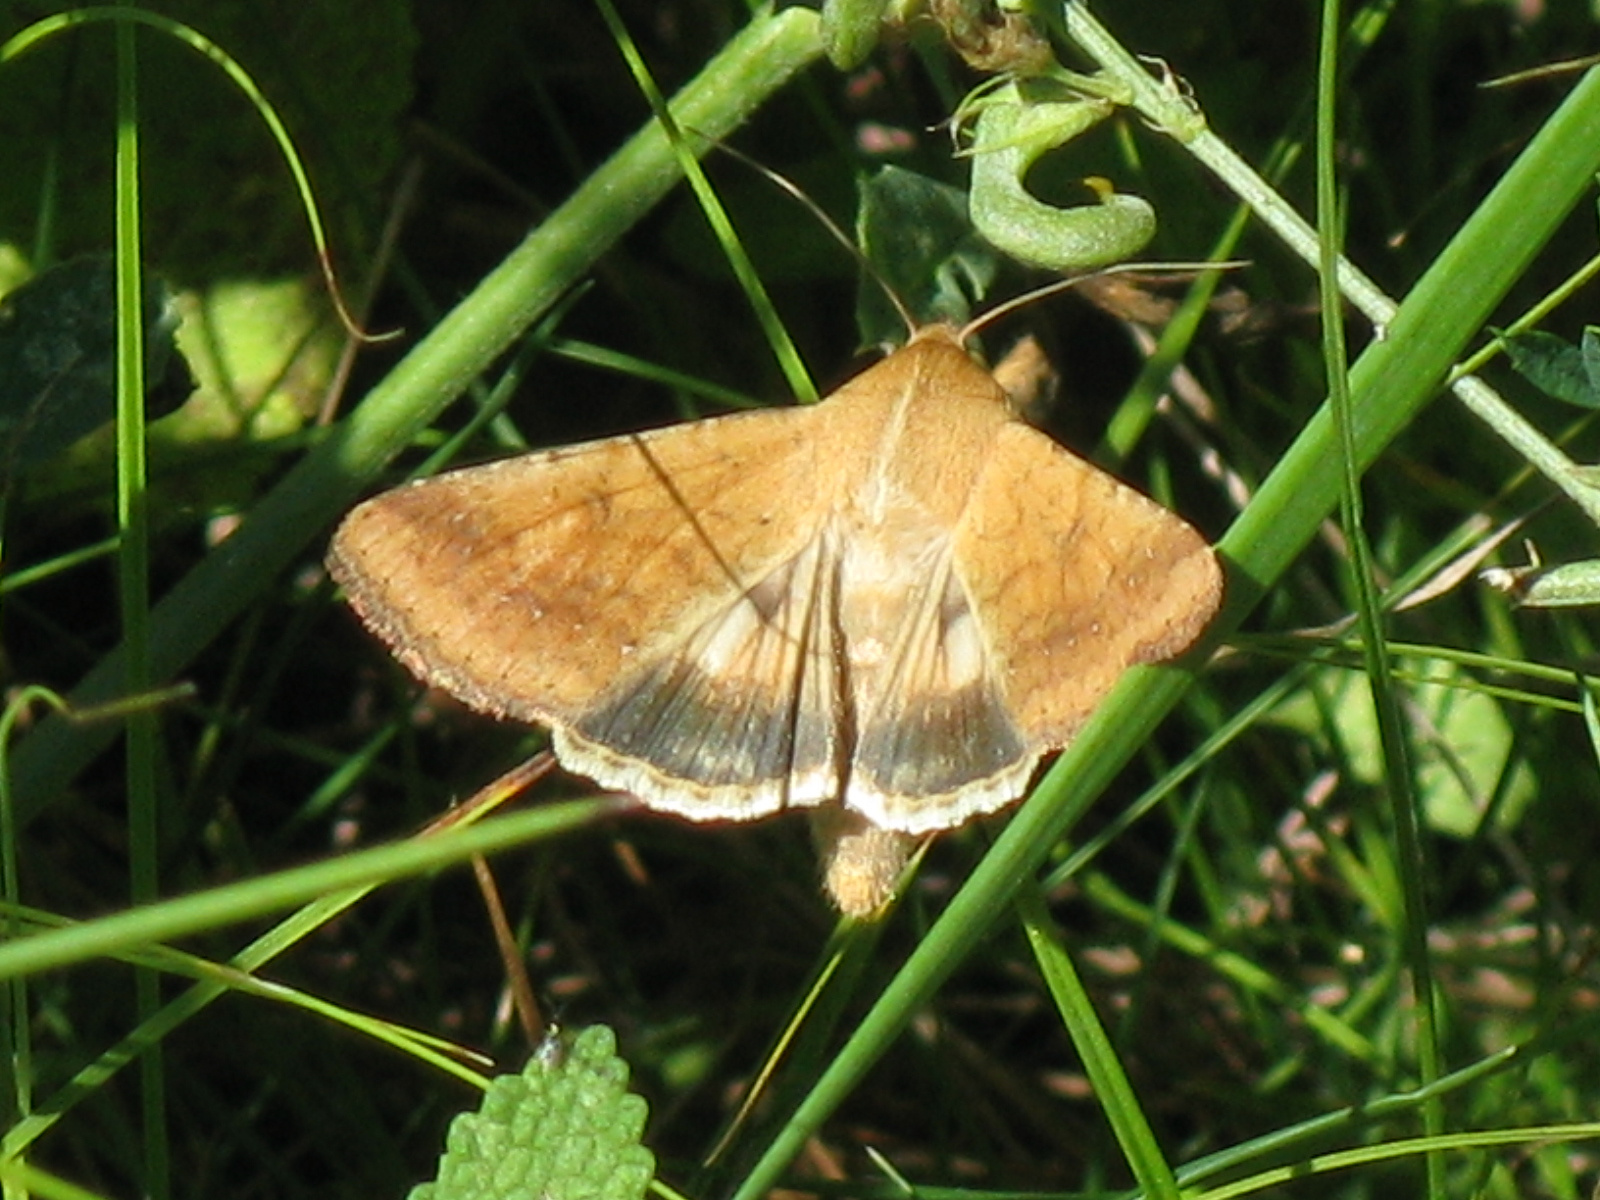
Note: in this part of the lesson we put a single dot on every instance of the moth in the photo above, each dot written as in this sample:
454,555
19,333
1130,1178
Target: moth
886,607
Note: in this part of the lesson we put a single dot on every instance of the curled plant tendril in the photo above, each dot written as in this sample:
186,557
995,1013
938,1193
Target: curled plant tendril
1010,135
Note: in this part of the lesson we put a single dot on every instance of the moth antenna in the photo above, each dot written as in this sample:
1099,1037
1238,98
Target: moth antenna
786,184
1156,270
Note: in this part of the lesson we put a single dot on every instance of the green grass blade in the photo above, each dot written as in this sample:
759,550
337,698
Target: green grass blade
1112,1088
133,573
171,919
1398,769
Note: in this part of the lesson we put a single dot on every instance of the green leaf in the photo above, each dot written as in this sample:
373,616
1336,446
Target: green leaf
1558,368
566,1128
1568,585
58,359
1464,744
1589,348
916,232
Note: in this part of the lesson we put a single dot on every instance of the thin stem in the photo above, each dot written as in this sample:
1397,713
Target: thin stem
1161,102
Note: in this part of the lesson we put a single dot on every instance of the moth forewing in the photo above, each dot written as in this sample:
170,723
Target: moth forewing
532,586
1077,577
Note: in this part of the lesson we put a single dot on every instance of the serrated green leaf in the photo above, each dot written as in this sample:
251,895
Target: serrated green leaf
566,1128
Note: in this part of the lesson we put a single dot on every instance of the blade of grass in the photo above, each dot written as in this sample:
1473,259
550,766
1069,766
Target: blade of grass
1427,1147
167,920
1112,1088
227,977
133,575
1398,771
716,213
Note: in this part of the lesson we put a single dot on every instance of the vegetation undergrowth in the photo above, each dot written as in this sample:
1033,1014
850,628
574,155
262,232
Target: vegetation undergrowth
1303,915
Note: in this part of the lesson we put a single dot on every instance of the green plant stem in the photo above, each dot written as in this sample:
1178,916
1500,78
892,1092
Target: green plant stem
1390,382
1541,453
1172,111
133,542
757,62
1397,373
